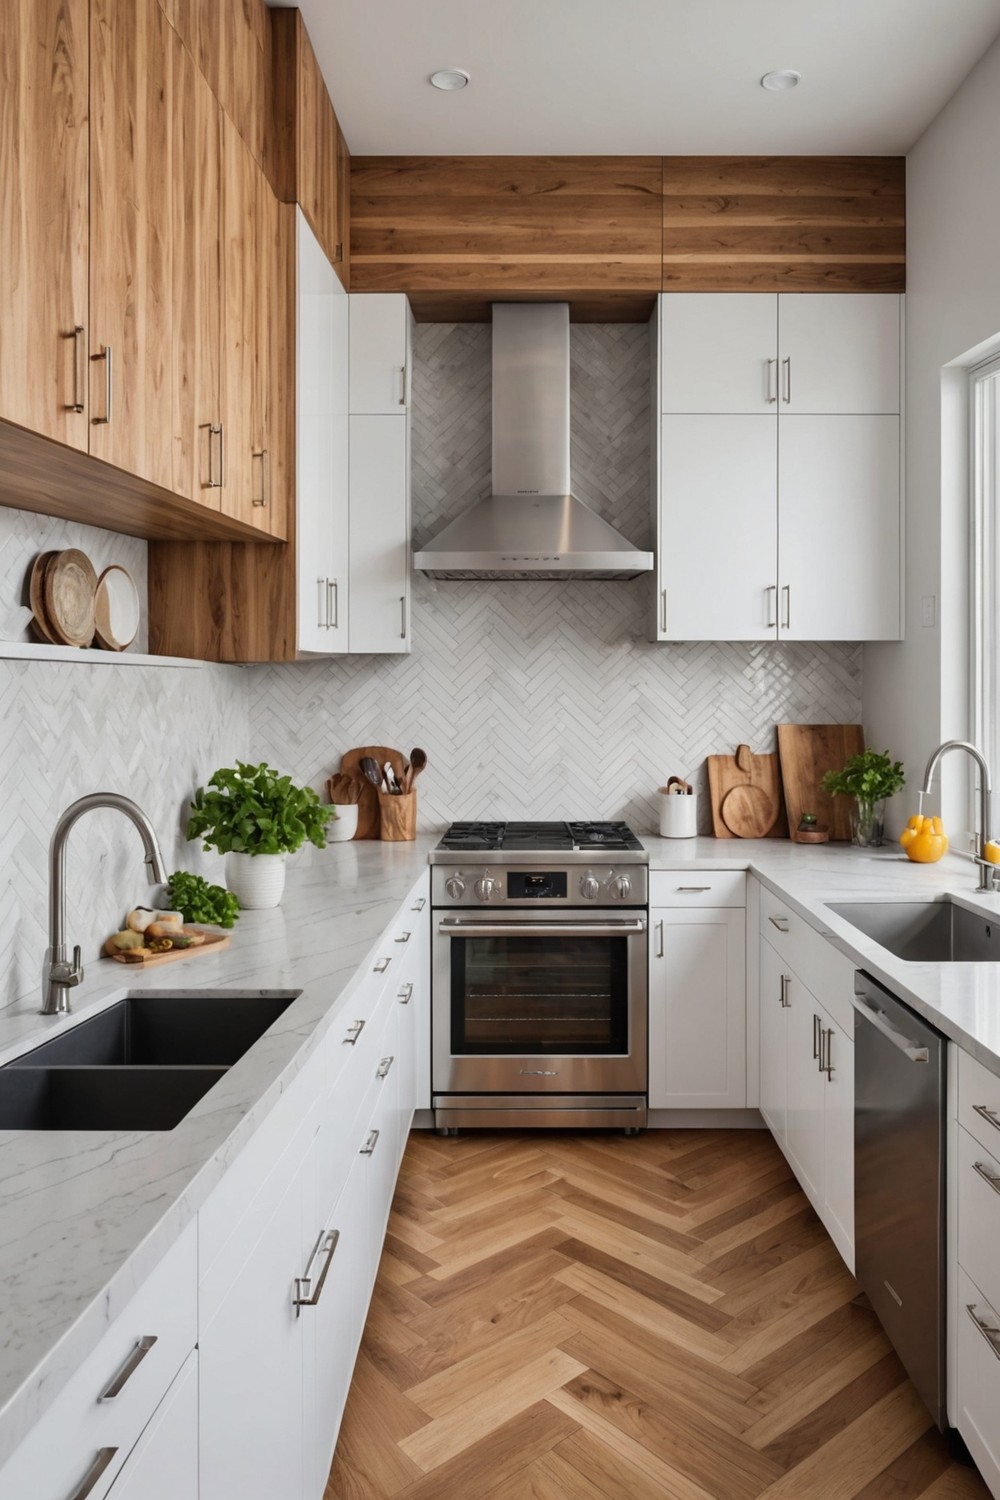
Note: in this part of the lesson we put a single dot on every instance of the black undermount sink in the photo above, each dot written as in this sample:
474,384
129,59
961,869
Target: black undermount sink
142,1064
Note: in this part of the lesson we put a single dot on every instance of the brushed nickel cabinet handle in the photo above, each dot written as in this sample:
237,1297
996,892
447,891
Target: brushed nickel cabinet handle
771,604
338,251
79,367
783,996
380,965
772,381
826,1052
93,1474
383,1068
333,603
987,1175
991,1335
659,939
105,354
262,454
692,890
816,1041
786,369
372,1141
786,600
353,1032
405,995
303,1295
402,385
323,614
213,433
780,922
991,1116
404,937
419,904
117,1383
402,617
663,611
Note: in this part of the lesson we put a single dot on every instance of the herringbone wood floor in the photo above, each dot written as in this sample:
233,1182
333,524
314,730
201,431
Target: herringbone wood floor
589,1317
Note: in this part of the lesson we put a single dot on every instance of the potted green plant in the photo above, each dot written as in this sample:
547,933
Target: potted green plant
869,778
255,817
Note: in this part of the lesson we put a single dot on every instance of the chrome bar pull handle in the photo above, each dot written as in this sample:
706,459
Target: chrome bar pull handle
786,370
405,995
991,1116
402,617
987,1175
780,922
380,965
663,611
783,997
369,1146
659,939
771,598
79,368
353,1032
692,890
261,500
303,1295
772,381
323,619
214,431
89,1481
116,1384
384,1066
105,354
333,603
404,937
991,1335
786,603
816,1040
402,385
826,1052
419,904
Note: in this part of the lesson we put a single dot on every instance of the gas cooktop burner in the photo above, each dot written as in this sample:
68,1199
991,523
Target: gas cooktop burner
522,837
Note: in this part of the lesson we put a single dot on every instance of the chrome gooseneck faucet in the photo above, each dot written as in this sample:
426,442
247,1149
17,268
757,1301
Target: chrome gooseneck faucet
986,870
61,973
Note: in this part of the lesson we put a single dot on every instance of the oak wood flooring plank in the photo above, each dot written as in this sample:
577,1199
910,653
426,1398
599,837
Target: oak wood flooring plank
785,1368
639,1251
487,1270
772,1322
805,1397
838,1412
784,1278
957,1484
635,1308
653,1287
744,1222
673,1485
479,1371
502,1453
908,1476
449,1338
547,1479
773,1246
610,1468
470,1205
470,1421
838,1469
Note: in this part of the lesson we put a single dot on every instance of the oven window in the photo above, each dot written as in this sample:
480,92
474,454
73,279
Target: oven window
546,995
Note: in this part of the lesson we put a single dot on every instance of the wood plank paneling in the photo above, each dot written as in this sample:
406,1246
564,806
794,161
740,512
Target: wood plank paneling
784,223
494,228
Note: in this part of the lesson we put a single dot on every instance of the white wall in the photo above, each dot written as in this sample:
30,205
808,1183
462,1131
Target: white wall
915,692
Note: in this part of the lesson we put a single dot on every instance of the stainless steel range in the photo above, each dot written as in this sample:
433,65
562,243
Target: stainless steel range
539,982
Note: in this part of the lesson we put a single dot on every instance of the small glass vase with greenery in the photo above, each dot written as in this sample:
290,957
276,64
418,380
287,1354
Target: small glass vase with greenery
255,817
869,778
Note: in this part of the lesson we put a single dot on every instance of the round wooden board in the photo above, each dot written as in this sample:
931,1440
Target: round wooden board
70,588
36,596
116,609
748,812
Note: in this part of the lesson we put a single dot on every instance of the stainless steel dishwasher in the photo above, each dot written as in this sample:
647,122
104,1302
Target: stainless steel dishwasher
899,1168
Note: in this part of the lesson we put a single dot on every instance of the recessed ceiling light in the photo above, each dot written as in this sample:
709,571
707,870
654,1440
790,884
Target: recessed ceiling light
783,78
450,78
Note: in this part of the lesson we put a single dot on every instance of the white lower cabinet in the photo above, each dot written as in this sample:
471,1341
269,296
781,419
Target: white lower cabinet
975,1300
697,1008
163,1465
773,1041
804,1141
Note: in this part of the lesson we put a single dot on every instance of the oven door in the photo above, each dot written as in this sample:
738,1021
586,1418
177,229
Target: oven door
538,1002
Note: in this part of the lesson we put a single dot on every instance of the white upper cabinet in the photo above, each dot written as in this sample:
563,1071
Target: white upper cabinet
380,535
719,353
839,353
838,532
380,354
322,470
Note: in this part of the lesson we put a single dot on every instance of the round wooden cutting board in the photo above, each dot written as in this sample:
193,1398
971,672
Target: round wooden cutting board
748,812
36,596
70,588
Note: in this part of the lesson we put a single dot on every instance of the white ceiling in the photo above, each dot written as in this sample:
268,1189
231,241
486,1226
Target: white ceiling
666,77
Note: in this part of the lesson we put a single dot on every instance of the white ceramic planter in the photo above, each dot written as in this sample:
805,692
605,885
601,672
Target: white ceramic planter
256,880
345,825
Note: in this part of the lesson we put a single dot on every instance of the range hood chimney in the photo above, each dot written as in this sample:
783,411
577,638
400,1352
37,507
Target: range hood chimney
531,526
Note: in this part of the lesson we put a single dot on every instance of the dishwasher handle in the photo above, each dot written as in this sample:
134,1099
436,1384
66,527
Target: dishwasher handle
911,1049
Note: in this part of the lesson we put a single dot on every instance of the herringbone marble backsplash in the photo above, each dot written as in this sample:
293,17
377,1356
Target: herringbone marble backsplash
543,700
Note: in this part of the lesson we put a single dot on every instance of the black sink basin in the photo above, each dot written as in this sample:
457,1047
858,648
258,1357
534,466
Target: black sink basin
163,1030
131,1098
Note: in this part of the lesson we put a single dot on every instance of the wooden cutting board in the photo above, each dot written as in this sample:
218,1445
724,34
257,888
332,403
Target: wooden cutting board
369,816
214,943
746,796
807,752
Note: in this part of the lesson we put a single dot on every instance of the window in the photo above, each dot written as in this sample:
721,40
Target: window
985,593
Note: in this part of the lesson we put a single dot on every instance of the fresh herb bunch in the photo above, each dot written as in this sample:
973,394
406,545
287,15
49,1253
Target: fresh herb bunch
252,810
869,777
198,901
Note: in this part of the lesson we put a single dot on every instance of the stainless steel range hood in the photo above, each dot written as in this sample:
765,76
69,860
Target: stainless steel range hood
531,526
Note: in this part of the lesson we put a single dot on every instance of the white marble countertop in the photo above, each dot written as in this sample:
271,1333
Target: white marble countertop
85,1216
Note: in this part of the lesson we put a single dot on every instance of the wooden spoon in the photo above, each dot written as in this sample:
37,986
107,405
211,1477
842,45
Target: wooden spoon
418,760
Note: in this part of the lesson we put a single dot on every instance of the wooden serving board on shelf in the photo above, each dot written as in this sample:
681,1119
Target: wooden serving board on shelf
214,943
369,814
746,796
807,752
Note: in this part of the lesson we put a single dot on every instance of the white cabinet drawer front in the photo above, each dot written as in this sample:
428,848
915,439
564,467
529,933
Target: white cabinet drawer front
347,1110
979,1102
113,1394
163,1465
827,973
978,1415
979,1215
697,888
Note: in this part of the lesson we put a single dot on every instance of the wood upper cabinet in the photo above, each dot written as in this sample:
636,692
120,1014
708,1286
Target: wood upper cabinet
230,42
43,216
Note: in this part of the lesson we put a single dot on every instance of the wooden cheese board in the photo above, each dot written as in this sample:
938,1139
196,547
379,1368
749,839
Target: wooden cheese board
746,796
807,752
214,942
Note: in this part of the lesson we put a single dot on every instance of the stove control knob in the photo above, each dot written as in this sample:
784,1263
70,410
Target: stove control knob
486,886
455,886
621,887
590,886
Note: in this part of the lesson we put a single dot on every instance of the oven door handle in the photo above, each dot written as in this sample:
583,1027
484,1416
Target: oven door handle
627,927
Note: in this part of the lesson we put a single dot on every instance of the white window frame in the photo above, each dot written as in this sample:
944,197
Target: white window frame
984,593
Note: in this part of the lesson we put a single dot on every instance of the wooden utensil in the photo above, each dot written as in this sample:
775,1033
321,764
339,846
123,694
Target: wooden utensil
70,591
36,596
418,760
744,770
116,609
344,791
807,752
368,805
214,943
